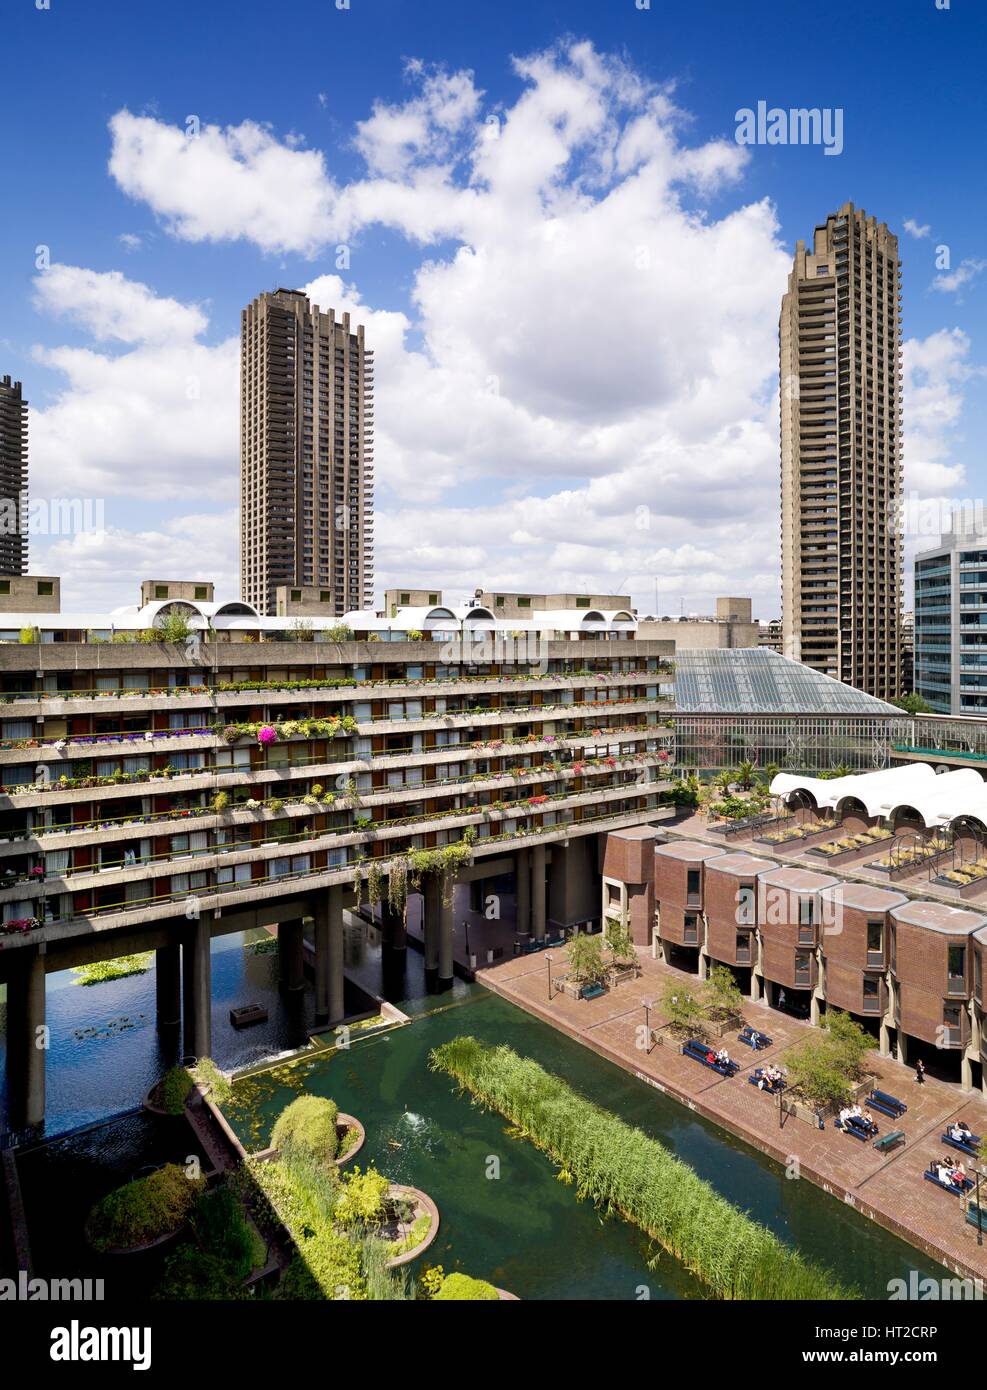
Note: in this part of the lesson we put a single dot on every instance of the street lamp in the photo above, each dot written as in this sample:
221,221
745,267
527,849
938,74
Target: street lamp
980,1211
548,962
646,1005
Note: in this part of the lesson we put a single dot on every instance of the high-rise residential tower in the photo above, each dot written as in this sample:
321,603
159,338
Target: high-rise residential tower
13,477
306,456
840,362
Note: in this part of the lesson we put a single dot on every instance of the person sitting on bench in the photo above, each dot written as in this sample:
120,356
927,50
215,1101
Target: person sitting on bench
943,1171
961,1132
844,1116
957,1174
868,1120
723,1057
711,1058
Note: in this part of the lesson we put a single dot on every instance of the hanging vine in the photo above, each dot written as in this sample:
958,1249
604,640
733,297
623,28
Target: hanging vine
358,886
397,888
375,884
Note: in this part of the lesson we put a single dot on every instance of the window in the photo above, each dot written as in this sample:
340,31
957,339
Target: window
433,600
582,602
498,601
201,592
875,943
690,931
161,591
45,588
4,586
296,595
524,603
956,970
872,995
743,948
692,886
404,598
803,968
745,905
325,596
951,1024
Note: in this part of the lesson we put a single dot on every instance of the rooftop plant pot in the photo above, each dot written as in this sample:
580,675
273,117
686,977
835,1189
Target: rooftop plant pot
423,1205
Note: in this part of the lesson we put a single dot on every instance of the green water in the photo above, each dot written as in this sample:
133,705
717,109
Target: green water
504,1215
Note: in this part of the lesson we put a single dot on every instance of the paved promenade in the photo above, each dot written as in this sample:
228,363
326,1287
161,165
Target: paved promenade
889,1188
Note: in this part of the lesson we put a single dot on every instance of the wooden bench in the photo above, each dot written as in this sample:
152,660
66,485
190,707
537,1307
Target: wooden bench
890,1141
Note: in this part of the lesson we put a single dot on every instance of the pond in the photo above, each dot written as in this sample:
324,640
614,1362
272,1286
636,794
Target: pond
504,1215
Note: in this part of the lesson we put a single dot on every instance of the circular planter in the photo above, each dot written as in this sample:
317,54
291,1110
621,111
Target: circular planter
423,1203
345,1123
154,1244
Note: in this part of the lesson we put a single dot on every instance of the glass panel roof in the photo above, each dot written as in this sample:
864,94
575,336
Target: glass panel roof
757,680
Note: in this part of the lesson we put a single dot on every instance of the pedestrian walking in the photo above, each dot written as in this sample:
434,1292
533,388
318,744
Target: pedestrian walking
920,1072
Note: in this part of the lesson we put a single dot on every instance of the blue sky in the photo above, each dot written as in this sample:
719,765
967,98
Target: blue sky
580,478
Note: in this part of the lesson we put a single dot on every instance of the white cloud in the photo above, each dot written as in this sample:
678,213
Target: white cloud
580,392
964,273
918,230
130,241
156,420
92,564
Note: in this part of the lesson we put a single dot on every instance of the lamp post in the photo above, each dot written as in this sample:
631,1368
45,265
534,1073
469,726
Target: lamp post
646,1006
978,1173
548,962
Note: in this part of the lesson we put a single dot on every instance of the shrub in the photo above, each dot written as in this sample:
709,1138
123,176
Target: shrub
194,1274
210,1075
463,1288
221,1228
625,1171
143,1210
173,1090
362,1198
308,1123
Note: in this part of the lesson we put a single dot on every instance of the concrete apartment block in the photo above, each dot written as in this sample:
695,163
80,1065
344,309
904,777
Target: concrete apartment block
841,453
306,453
13,473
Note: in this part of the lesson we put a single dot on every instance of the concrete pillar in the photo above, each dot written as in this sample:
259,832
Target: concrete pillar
902,1048
884,1046
757,987
168,985
538,892
445,938
431,927
966,1073
815,1013
291,956
26,1041
333,983
393,928
703,965
522,892
197,987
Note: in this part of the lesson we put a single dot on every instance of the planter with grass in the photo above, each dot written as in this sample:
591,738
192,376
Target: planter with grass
410,1224
168,1096
145,1213
315,1125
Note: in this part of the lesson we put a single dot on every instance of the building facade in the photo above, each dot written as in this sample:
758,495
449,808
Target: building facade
730,626
156,793
13,476
950,665
841,453
306,454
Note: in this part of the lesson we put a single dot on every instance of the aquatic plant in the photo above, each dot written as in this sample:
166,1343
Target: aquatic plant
309,1123
103,970
624,1171
143,1210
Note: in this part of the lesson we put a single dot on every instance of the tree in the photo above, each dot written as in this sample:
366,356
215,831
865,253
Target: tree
722,997
585,956
815,1074
912,704
724,780
683,1008
848,1041
619,941
746,774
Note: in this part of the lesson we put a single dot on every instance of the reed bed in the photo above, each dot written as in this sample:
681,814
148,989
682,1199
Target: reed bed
624,1171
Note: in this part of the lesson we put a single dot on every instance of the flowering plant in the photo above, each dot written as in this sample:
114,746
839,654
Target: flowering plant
266,735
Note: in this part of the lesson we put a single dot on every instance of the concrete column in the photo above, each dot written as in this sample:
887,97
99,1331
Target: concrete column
703,965
757,987
291,956
432,927
815,1013
902,1048
197,987
26,1041
538,892
884,1047
168,985
334,956
393,928
445,938
966,1073
522,892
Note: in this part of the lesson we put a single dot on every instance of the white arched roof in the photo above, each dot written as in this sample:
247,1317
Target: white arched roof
937,799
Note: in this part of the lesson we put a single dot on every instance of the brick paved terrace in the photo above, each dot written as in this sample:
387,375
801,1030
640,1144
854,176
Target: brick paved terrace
887,1187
